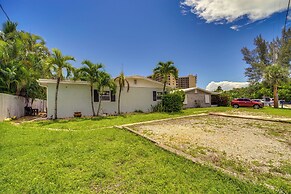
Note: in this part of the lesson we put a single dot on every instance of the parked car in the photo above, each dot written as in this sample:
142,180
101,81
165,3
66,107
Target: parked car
245,102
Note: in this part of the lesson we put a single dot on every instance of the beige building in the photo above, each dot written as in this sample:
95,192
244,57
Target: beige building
189,81
170,82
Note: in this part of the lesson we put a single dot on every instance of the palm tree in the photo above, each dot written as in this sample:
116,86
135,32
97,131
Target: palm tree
164,70
91,73
275,75
122,81
59,63
104,81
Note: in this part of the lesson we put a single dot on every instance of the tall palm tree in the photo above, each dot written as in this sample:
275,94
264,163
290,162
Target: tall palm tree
59,63
275,75
104,82
91,73
122,81
164,70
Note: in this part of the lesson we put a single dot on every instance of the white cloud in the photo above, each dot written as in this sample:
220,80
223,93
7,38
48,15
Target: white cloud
228,11
226,85
235,27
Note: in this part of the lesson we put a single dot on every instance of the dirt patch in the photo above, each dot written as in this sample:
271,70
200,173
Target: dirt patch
241,145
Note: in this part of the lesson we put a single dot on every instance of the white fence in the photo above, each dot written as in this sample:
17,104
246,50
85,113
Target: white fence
11,105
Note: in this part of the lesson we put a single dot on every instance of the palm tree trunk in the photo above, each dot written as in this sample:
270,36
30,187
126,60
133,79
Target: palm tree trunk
99,105
119,96
56,98
92,104
275,91
164,88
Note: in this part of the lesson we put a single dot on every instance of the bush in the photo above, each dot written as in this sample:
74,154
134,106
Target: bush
158,107
223,100
173,102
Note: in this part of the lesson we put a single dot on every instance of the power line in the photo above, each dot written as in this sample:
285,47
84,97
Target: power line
7,15
287,13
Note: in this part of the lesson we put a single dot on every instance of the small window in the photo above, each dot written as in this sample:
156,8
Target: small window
105,96
135,81
159,95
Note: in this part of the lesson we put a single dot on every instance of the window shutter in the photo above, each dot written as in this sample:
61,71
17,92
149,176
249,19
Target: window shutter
112,96
96,96
154,96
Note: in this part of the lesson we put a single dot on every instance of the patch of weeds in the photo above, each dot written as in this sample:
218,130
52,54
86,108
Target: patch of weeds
147,132
256,163
197,151
284,169
237,165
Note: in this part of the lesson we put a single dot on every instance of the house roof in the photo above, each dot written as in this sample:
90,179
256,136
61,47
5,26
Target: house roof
45,82
196,88
144,78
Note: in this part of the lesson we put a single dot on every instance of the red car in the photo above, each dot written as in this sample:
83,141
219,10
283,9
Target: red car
245,102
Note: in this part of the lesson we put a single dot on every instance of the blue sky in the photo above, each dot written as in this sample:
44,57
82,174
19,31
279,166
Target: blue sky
137,34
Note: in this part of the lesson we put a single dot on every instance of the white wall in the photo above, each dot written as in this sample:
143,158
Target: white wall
76,98
11,105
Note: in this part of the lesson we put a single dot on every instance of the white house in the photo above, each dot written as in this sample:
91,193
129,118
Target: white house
74,96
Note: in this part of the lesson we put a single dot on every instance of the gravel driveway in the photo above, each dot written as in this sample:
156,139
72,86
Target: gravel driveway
245,146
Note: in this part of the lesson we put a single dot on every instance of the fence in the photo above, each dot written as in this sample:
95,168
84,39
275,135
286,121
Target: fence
11,105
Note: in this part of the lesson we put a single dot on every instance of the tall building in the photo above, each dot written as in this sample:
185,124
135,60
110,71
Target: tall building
189,81
170,82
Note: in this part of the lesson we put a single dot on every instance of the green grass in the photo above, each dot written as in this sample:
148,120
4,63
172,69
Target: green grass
268,111
106,160
110,121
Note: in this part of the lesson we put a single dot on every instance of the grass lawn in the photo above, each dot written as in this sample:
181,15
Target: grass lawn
68,156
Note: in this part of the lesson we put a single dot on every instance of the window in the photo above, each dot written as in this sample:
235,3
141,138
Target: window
105,96
135,81
159,95
207,99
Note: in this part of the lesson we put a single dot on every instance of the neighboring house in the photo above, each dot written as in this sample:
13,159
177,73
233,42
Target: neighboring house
74,96
197,97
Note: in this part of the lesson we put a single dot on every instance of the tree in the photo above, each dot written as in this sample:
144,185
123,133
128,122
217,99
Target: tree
59,63
91,73
275,75
23,54
257,59
122,81
104,81
219,89
164,70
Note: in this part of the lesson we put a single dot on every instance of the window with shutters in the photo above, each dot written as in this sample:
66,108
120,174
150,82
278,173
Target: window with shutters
105,96
157,95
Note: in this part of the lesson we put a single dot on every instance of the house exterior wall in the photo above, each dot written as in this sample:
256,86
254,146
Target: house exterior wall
196,98
76,98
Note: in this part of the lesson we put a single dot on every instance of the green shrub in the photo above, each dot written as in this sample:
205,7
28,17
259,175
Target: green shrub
158,107
173,102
